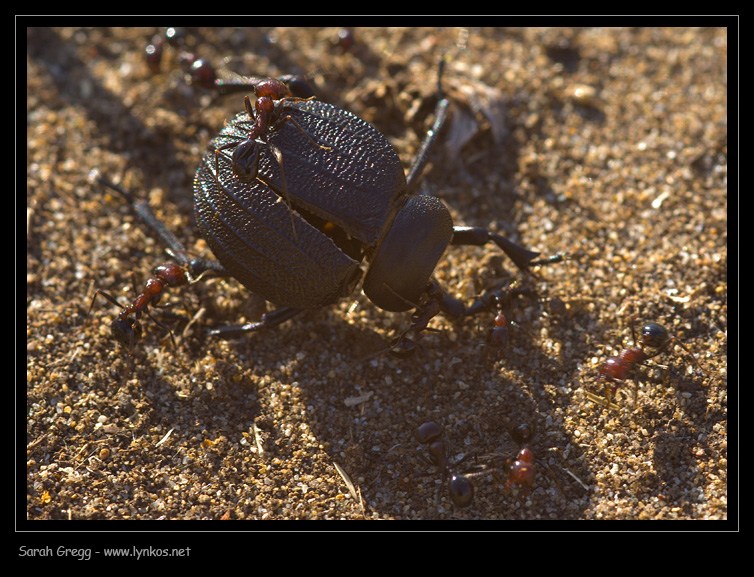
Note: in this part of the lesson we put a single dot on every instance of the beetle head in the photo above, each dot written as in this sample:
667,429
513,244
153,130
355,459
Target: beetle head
407,256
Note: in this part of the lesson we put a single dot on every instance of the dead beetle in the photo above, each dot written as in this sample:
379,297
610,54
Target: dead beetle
295,194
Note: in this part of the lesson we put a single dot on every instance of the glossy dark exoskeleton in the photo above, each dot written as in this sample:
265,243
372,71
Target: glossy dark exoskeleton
352,202
295,195
460,488
341,199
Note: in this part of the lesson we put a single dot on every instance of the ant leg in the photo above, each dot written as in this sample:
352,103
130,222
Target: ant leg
292,120
108,296
674,340
164,327
269,320
633,332
637,384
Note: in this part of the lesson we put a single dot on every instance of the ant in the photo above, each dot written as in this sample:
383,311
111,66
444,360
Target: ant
266,116
460,489
199,71
272,96
522,470
126,328
437,301
616,370
519,470
497,299
202,73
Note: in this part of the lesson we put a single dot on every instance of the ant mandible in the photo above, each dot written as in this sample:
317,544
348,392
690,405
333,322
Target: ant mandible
616,370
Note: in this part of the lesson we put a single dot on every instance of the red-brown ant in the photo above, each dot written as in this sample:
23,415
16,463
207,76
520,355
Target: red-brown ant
522,470
126,328
267,116
498,299
272,96
616,370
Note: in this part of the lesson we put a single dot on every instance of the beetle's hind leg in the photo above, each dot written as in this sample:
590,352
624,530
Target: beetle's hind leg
195,266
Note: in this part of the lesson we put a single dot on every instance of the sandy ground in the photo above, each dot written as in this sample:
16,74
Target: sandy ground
607,144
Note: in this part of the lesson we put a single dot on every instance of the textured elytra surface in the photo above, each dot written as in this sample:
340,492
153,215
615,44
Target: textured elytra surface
355,183
253,228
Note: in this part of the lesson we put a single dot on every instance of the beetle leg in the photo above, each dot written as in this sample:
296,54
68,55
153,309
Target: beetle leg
441,114
521,257
195,266
269,320
498,298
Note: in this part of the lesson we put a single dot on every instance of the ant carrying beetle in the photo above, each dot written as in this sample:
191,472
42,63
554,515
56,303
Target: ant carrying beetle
616,370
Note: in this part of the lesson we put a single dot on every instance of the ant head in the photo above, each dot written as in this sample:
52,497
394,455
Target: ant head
523,433
654,336
126,331
246,160
271,88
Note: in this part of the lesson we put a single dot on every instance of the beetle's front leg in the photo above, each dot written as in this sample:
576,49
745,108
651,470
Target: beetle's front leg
430,139
494,300
431,304
269,320
521,257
